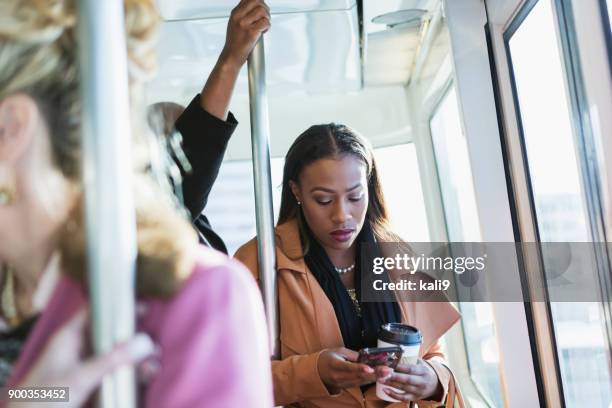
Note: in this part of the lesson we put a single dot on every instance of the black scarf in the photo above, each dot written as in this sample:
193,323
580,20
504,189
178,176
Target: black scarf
357,332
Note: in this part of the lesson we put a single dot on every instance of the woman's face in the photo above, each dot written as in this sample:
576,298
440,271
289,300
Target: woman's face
334,197
41,196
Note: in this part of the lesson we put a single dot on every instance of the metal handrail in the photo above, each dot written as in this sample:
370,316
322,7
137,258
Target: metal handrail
260,140
109,206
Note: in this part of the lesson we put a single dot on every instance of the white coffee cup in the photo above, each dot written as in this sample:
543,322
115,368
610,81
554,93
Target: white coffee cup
409,339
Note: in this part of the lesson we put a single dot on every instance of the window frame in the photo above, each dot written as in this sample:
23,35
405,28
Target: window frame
587,149
440,98
501,14
606,21
585,146
548,344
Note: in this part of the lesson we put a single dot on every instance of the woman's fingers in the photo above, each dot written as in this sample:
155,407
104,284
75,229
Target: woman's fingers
383,372
246,6
400,397
350,367
340,370
408,379
132,352
418,381
262,26
419,368
405,387
243,8
256,14
348,354
350,374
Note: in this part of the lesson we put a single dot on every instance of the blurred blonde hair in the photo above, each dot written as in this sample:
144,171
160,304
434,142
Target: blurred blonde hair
38,57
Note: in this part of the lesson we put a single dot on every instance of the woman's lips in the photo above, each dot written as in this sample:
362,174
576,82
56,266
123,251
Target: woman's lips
342,235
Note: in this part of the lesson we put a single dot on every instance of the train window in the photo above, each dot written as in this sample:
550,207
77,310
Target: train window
454,169
558,196
401,183
463,225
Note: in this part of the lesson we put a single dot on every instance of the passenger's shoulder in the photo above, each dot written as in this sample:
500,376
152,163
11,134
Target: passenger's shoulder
247,254
247,250
212,267
215,278
218,287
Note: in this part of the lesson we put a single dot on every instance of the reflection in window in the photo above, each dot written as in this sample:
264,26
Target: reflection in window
558,199
462,222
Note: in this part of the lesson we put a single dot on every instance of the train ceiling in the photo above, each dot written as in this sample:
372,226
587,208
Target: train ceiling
315,46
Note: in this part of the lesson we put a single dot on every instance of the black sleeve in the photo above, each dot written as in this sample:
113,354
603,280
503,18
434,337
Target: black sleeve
205,139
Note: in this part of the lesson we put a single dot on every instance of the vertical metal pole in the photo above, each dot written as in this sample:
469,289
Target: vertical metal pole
109,206
260,140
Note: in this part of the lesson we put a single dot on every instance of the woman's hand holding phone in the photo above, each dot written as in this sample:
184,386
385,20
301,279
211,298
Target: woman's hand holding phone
339,369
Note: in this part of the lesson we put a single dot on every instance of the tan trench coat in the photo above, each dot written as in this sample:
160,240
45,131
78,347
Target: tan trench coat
308,325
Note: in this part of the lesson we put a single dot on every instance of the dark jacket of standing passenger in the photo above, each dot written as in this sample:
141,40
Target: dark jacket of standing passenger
205,139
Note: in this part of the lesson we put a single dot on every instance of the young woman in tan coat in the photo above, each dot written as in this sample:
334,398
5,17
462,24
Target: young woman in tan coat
331,204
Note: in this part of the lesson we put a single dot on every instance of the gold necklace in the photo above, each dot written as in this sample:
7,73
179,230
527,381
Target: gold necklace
353,295
8,302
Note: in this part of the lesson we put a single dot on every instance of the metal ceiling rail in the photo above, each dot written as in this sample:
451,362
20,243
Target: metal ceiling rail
282,13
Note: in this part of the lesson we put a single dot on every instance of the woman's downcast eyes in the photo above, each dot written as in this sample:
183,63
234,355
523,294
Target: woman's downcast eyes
326,201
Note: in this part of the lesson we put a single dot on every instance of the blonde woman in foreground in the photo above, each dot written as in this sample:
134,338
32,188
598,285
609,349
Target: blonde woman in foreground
200,309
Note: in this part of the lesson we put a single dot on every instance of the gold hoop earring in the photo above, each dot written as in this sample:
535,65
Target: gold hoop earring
6,196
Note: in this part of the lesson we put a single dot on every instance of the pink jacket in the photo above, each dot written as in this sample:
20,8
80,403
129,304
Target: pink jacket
212,336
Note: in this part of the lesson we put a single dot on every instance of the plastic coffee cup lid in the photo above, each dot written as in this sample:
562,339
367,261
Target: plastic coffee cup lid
398,333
